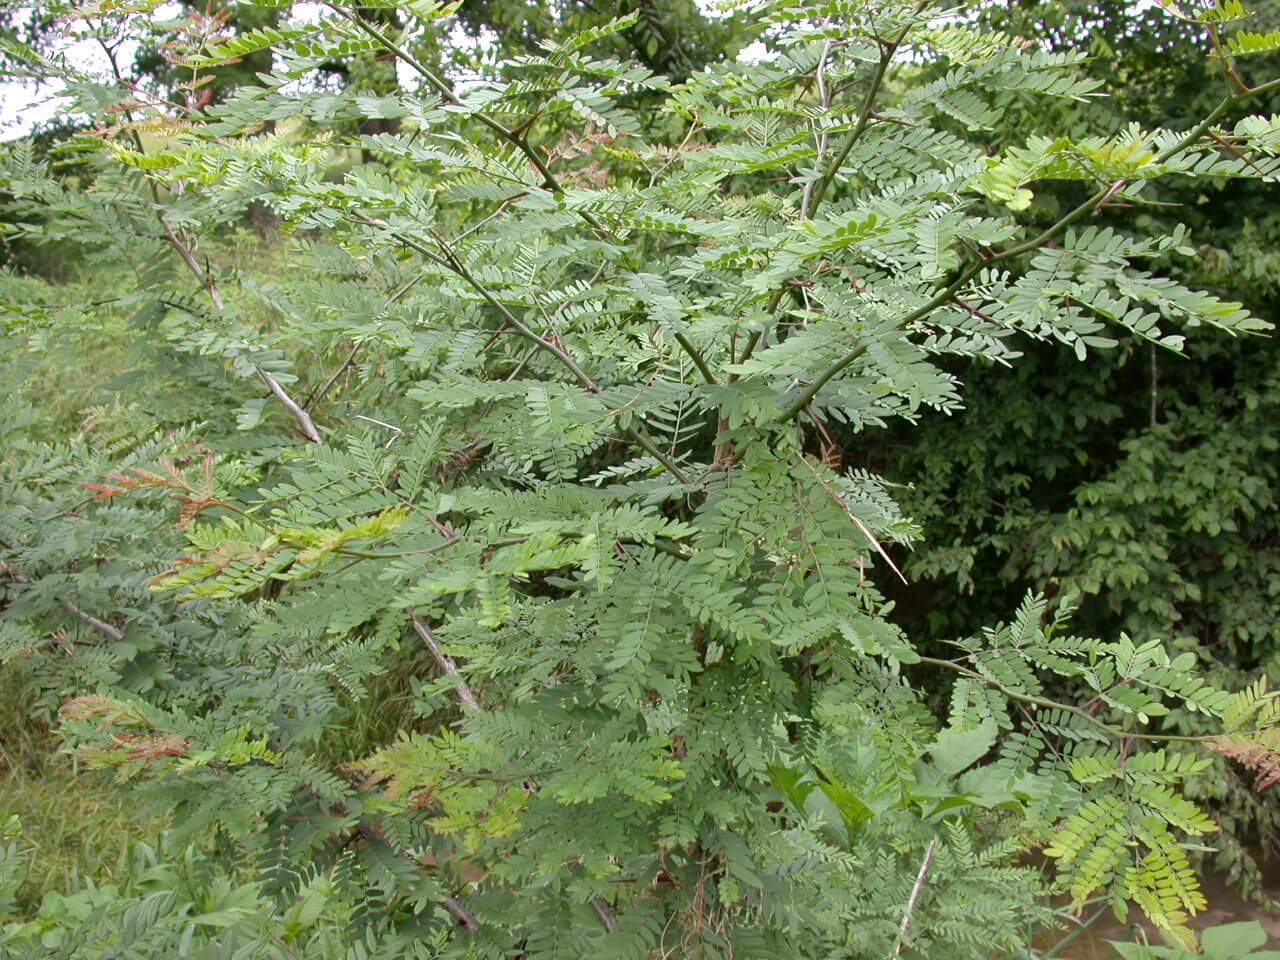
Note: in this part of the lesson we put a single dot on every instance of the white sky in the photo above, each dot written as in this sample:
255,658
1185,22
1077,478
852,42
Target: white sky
23,105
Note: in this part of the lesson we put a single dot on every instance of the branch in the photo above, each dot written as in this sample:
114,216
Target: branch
698,359
468,699
446,93
107,629
605,914
461,915
446,663
1085,715
795,407
911,901
813,198
450,261
887,51
210,286
372,831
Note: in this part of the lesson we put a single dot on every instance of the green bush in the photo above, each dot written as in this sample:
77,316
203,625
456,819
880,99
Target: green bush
528,430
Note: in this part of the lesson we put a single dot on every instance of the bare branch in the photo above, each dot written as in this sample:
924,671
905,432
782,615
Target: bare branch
911,901
107,629
459,913
605,914
446,663
184,250
304,419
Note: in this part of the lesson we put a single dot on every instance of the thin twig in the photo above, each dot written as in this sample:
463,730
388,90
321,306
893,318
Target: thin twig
210,286
304,419
459,913
857,522
318,394
468,699
911,901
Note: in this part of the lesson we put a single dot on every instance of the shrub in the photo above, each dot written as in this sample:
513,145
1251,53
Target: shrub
531,424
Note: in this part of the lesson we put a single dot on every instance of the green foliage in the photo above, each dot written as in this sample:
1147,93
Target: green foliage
1227,942
1135,487
534,418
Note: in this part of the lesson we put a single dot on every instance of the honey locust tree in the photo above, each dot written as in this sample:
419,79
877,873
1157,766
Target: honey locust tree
531,424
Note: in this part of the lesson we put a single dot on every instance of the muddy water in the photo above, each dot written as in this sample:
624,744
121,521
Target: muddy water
1225,906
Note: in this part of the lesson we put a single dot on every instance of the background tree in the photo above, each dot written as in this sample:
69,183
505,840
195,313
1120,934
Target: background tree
1141,483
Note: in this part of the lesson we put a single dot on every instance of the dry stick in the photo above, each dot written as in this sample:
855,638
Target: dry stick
304,419
604,913
461,915
107,629
209,286
1028,246
866,532
207,282
373,832
911,901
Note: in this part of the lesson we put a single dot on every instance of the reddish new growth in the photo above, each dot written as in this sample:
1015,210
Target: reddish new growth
87,707
138,747
1263,760
195,496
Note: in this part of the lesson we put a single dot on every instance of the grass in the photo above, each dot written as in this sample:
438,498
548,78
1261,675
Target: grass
75,824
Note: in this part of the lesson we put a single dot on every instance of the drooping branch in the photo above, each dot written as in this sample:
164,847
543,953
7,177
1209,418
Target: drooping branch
305,423
445,257
1035,243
